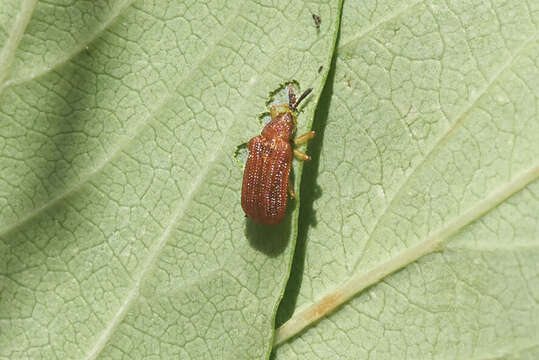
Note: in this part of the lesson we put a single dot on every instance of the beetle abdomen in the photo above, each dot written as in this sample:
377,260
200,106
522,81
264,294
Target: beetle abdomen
265,181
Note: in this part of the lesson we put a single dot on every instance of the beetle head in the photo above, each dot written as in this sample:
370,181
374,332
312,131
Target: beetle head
278,109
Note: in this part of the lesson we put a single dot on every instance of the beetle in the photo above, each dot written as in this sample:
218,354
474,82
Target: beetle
267,171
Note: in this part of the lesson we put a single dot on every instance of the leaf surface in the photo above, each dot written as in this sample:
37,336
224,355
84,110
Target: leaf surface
121,230
428,164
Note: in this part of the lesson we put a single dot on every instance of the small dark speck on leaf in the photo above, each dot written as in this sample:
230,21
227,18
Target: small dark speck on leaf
317,20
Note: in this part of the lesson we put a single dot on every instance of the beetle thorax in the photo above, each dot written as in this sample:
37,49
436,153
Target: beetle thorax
282,126
282,123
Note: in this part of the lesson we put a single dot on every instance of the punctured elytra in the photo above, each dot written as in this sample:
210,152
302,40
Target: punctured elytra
267,171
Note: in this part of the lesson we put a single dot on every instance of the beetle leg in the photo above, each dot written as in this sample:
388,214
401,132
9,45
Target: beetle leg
291,190
301,155
304,138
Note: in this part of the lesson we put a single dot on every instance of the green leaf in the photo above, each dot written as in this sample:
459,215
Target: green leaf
121,230
428,164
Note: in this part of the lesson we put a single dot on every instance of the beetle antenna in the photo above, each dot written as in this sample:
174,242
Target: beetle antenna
303,96
291,96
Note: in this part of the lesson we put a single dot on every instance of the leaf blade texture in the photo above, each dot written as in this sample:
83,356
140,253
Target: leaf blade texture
420,148
121,228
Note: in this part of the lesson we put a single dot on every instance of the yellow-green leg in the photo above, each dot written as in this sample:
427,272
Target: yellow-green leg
301,155
291,190
302,140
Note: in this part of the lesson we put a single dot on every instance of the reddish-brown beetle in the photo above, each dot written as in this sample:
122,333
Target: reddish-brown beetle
265,180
